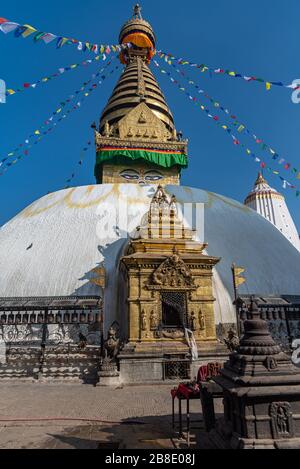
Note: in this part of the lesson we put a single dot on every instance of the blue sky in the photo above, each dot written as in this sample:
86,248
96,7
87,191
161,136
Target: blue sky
257,38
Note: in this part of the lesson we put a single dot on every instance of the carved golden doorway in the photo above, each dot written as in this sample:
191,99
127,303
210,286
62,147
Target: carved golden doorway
174,310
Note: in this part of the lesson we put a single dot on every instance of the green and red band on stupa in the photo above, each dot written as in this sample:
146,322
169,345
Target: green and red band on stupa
163,158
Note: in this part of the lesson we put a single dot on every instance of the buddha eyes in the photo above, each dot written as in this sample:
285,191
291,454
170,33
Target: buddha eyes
133,175
153,177
130,174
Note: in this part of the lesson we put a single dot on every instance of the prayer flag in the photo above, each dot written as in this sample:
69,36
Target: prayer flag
8,27
29,30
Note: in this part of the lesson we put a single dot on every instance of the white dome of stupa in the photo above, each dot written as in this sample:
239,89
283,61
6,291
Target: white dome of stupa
52,247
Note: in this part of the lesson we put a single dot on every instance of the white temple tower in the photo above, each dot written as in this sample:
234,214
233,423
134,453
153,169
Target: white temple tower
271,205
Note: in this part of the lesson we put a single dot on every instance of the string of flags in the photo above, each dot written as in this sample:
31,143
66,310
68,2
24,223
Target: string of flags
59,73
169,58
240,126
80,163
229,131
62,104
23,149
27,30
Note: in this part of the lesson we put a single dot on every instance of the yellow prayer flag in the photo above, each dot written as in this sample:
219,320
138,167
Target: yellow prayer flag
238,270
37,132
100,280
224,127
232,74
298,176
11,91
248,151
28,31
268,86
239,281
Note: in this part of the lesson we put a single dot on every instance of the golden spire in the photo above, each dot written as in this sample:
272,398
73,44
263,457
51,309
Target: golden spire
137,12
260,179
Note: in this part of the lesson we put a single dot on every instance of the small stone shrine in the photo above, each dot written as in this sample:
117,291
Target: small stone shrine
261,390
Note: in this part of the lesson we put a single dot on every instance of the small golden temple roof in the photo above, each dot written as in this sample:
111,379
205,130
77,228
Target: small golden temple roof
260,179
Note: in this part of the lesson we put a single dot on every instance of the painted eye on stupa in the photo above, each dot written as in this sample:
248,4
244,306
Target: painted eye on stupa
130,174
153,176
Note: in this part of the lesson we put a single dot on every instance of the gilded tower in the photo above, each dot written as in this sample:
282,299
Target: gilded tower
137,141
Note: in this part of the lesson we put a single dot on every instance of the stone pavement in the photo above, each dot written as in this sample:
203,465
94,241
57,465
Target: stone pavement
131,417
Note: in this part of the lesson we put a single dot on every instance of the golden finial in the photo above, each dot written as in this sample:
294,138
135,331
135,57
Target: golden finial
137,9
260,179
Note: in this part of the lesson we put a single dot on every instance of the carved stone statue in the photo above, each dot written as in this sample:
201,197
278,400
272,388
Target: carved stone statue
282,420
232,341
142,118
106,129
153,320
144,321
112,344
193,321
201,321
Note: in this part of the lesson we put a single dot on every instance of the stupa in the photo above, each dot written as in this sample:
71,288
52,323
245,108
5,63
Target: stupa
272,206
97,245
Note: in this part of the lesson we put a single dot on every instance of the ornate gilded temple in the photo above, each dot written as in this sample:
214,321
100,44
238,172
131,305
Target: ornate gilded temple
170,303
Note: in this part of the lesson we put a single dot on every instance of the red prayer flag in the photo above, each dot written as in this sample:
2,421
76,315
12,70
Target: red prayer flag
3,20
26,85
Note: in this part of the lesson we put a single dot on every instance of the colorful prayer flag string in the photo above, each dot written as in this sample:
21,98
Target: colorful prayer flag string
26,30
169,58
59,73
229,131
41,133
80,163
240,126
